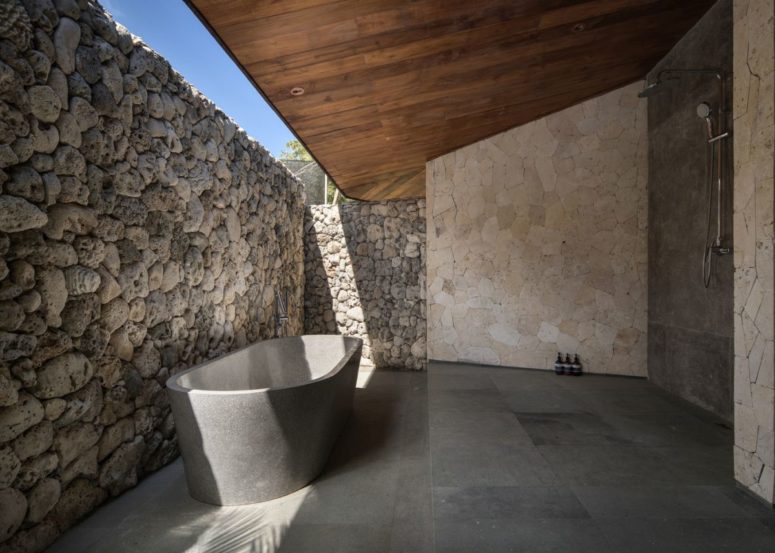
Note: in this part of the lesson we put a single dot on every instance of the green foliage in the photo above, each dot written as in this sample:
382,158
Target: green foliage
295,150
333,196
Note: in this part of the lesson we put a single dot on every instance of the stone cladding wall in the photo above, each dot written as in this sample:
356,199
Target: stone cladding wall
141,232
537,241
754,228
365,277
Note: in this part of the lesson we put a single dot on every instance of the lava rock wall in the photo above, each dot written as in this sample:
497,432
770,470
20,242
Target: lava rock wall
141,232
365,277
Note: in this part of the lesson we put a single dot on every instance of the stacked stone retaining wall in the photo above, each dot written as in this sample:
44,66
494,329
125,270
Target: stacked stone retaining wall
141,232
365,277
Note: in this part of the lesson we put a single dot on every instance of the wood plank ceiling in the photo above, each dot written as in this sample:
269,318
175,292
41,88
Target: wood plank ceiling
390,84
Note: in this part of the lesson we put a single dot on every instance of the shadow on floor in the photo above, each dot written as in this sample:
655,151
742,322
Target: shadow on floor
467,458
357,504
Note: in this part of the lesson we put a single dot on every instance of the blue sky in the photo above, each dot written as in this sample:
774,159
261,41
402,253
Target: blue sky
170,28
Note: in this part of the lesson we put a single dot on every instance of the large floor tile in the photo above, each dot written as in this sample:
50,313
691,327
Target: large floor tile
490,465
754,506
570,429
412,528
333,538
514,502
610,465
603,382
545,401
466,400
689,536
515,380
672,502
363,493
440,368
700,465
645,401
476,428
521,536
453,381
670,428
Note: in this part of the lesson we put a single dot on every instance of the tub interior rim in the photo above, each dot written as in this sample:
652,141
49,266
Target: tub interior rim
351,345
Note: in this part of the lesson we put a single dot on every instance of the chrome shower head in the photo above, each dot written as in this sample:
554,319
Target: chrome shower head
704,111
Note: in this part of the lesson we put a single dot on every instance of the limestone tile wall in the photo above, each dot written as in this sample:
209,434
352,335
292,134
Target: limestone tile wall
141,232
365,277
754,200
537,241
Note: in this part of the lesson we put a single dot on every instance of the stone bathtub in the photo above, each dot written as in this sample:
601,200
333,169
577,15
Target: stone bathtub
260,422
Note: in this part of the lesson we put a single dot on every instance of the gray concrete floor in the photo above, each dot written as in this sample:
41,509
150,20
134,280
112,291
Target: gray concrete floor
469,458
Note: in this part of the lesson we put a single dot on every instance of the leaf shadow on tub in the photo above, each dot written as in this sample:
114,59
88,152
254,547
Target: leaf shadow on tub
347,508
197,527
360,446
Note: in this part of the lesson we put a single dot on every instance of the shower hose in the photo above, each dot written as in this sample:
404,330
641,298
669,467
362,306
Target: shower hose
714,160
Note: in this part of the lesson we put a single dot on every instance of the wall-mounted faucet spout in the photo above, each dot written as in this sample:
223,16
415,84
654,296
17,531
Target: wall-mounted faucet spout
649,89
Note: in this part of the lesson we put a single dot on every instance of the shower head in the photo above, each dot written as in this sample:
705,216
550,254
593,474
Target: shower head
650,89
703,112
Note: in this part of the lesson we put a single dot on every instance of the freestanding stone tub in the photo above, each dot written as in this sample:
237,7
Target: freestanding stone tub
259,423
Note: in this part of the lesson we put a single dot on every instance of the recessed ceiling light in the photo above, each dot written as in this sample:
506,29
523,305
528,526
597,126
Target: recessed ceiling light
297,91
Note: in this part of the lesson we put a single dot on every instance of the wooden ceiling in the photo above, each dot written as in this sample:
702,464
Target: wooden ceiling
390,84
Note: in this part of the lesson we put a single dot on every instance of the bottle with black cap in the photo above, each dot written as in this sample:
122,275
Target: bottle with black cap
559,365
575,368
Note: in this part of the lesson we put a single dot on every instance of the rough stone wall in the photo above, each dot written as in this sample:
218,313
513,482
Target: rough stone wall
754,201
365,277
141,232
537,241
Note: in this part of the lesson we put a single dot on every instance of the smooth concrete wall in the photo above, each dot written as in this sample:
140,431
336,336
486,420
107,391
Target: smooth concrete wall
690,327
537,241
754,202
